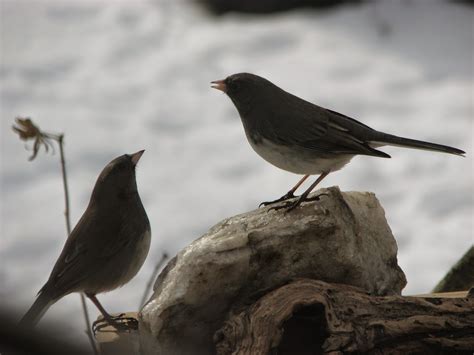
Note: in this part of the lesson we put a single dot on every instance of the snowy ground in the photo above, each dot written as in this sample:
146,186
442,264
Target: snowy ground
117,77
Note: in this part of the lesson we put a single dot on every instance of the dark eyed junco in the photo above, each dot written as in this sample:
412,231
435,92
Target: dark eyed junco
298,136
108,245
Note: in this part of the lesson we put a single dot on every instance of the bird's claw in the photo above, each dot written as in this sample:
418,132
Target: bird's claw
285,197
315,198
120,323
291,205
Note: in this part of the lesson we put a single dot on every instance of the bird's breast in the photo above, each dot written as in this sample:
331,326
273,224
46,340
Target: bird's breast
121,267
297,160
139,256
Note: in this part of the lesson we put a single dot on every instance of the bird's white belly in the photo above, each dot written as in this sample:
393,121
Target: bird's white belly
296,161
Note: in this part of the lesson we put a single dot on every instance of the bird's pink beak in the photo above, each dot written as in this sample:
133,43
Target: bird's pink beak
135,157
219,85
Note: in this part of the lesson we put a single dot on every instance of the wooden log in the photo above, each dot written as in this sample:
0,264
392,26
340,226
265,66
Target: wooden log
314,317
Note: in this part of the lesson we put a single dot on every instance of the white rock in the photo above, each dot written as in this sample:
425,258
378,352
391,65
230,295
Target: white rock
343,238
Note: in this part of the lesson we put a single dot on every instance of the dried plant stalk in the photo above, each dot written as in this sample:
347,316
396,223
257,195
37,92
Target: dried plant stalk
27,130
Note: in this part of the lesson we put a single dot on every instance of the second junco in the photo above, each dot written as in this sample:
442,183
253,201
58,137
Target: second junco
108,245
298,136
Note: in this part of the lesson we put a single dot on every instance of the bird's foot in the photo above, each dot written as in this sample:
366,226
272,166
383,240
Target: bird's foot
285,197
315,198
291,205
120,323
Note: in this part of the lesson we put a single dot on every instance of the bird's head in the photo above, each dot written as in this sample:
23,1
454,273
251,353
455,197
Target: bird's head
244,89
117,179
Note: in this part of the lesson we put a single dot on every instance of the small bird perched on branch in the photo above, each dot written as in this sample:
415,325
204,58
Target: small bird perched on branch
108,245
303,138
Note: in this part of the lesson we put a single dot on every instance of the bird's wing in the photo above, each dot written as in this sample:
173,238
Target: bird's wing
86,244
318,129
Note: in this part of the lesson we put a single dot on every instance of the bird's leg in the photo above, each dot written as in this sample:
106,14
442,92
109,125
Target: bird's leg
288,195
304,197
119,322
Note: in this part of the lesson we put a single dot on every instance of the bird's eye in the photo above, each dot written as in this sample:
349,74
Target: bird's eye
235,84
121,166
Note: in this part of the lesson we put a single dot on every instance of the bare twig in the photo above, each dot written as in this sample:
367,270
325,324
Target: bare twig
60,140
152,278
88,330
66,188
27,130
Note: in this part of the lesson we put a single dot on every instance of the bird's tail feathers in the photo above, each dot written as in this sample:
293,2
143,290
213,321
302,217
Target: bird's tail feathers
388,139
37,310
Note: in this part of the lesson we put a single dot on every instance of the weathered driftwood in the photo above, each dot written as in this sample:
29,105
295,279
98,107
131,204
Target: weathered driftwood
314,317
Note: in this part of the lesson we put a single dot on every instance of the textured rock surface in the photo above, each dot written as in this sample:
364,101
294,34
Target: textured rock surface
343,238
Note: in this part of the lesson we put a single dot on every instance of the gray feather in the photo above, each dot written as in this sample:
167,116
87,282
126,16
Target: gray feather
37,310
317,129
388,139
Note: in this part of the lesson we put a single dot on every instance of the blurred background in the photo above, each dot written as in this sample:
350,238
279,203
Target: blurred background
120,76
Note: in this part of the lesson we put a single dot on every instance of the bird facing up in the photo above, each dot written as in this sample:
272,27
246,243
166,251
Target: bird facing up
107,246
301,137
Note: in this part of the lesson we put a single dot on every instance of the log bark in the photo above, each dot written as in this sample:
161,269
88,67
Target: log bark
314,317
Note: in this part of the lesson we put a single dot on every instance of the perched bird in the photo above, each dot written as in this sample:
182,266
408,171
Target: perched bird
108,245
303,138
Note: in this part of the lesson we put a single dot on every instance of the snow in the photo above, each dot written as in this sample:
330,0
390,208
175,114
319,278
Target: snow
117,77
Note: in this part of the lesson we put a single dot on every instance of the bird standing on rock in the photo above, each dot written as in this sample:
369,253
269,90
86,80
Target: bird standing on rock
106,248
303,138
